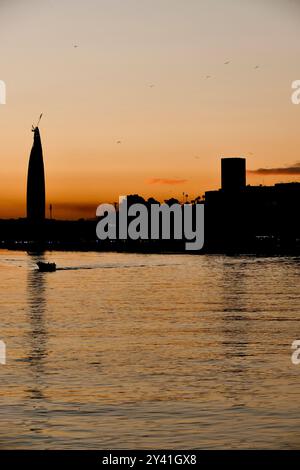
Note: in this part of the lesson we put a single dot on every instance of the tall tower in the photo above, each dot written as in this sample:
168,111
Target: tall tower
233,173
36,181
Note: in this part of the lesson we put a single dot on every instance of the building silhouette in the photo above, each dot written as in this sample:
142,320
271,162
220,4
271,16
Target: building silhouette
233,171
241,218
36,181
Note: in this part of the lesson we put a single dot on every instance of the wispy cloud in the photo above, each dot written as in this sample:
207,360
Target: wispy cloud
286,170
168,181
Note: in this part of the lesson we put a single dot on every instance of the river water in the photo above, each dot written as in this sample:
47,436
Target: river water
149,351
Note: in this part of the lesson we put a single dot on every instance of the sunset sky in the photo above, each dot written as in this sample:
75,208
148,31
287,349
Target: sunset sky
146,102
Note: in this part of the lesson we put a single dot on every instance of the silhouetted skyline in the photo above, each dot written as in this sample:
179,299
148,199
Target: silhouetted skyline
239,219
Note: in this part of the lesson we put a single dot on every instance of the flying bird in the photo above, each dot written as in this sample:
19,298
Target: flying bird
227,62
256,67
118,142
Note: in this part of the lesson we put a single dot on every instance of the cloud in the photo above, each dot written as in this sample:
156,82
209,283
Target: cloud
166,181
288,170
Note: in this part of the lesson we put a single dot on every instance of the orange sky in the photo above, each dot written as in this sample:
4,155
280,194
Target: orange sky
152,75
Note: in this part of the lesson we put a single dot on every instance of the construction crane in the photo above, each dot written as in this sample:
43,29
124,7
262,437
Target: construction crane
39,120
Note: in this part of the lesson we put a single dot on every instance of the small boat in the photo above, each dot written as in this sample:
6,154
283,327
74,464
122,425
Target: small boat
46,267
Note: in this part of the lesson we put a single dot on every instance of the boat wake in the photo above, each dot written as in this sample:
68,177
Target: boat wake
114,266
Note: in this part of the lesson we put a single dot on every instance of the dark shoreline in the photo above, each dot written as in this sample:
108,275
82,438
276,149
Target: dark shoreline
95,248
80,235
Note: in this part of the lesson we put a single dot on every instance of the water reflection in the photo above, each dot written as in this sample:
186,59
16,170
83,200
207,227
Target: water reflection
234,327
235,306
37,341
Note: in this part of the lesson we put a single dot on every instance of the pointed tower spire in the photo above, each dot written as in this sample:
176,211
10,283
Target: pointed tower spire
36,180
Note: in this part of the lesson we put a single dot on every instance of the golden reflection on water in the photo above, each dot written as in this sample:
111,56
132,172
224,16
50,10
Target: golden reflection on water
141,351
